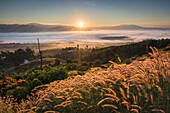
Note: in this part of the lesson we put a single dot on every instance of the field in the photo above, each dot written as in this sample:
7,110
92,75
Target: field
141,86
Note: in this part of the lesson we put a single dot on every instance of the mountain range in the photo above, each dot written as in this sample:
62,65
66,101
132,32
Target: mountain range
36,27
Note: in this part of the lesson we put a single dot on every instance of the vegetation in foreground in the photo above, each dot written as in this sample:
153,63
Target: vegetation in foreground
141,86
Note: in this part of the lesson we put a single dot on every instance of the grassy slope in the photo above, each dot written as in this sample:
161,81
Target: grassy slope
31,65
46,61
141,86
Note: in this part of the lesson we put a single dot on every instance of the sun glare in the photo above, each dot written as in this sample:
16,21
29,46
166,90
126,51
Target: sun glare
80,24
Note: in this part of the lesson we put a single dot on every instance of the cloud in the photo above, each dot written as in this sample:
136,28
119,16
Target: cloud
89,3
91,36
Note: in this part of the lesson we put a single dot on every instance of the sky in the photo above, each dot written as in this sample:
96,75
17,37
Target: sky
91,12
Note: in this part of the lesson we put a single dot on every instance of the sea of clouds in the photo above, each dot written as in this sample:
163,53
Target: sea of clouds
84,36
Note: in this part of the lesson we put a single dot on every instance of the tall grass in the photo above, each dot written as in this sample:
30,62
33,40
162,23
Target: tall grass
141,86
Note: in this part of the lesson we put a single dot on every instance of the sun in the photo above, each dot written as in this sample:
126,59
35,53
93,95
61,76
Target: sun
80,24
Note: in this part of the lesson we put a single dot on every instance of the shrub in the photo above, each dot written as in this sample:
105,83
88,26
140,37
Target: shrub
20,92
127,61
84,64
10,92
35,82
21,82
80,72
82,68
73,74
90,64
97,63
71,66
57,62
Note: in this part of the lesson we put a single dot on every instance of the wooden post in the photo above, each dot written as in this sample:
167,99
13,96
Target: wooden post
78,53
40,51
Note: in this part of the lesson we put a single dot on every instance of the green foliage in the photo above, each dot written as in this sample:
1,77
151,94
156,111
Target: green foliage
20,92
97,63
71,66
48,74
28,81
90,64
82,68
80,72
10,86
9,59
127,61
126,51
35,82
84,64
21,82
72,74
57,61
71,57
10,92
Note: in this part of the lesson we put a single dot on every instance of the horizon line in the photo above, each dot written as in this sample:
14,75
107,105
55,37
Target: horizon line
142,25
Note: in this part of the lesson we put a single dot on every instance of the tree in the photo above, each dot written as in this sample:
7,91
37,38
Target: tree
30,54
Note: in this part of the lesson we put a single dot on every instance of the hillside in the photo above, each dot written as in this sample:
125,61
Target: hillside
141,86
30,65
98,69
90,57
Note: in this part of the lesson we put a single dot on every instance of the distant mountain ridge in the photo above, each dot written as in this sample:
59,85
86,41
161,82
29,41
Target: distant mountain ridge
131,27
36,27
